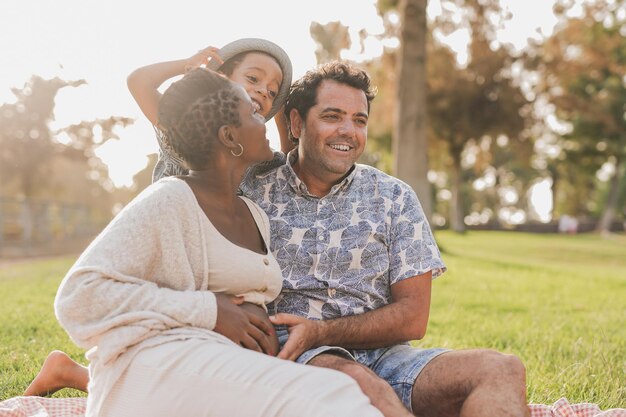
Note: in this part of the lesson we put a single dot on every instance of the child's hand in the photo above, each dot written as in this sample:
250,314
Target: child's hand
202,57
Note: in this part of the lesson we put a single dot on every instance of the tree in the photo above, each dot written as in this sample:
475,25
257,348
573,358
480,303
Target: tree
331,39
479,101
25,137
85,137
583,65
34,163
410,145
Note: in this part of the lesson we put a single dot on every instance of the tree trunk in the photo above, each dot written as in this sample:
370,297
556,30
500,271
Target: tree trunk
554,189
610,209
457,222
410,147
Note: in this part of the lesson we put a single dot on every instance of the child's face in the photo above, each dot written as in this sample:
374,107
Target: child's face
261,76
251,130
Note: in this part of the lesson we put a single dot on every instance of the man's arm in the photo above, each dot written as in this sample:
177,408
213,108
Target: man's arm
406,318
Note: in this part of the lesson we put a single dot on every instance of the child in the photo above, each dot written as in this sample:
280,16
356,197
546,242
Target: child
260,66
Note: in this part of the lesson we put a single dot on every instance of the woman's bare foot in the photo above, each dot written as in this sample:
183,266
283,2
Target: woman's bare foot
58,371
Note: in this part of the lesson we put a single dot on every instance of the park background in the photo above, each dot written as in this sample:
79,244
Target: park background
507,117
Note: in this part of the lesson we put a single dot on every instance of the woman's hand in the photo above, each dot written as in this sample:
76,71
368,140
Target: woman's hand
245,325
265,324
202,57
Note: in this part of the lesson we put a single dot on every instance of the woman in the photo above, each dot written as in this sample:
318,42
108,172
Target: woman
155,296
262,68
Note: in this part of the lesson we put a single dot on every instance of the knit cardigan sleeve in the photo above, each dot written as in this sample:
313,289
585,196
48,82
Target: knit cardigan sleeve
144,273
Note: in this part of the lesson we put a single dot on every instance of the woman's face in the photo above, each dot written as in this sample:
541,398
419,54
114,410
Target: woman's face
252,133
261,76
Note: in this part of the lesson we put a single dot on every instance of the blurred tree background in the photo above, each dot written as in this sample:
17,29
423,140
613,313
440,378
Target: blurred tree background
507,121
54,190
474,139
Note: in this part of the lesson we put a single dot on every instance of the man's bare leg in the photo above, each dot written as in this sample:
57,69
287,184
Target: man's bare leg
58,371
380,393
471,383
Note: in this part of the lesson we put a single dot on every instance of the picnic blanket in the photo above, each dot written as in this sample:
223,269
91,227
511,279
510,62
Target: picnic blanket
563,408
75,407
43,407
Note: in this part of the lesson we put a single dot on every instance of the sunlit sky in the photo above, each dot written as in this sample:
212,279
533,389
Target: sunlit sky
103,41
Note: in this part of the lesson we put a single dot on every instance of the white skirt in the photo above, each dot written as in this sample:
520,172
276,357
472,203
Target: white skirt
206,378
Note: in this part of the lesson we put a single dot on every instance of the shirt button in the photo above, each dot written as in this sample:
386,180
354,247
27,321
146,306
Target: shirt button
266,261
323,202
321,238
332,292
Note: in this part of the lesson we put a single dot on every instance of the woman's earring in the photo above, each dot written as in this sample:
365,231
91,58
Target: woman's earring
240,152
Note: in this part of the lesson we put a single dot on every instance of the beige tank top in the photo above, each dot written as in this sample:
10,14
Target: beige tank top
239,271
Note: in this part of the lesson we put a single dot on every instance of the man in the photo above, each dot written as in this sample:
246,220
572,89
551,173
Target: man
358,257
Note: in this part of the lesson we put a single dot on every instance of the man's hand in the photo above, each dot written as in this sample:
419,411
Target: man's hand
244,325
304,334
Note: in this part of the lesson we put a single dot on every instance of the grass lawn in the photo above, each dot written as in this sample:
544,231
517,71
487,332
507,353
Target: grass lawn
558,302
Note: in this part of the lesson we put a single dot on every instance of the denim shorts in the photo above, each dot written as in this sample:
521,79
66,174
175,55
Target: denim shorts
399,365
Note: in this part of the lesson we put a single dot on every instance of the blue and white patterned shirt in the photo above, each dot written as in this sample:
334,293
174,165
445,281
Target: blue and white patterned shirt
341,253
169,163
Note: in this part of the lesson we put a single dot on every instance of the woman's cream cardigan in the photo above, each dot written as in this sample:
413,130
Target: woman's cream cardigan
144,281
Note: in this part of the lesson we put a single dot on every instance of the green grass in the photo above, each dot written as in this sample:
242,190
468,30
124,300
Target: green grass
29,329
558,302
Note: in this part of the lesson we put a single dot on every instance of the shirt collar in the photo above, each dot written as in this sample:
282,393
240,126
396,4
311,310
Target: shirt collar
300,187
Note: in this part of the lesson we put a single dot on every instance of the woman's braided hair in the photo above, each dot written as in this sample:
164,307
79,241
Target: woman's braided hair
193,109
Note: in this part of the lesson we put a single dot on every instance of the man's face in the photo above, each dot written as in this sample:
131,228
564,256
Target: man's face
334,134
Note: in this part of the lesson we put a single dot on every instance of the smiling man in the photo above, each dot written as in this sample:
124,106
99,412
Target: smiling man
358,257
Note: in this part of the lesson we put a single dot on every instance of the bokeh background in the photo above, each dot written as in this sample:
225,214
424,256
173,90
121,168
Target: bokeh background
521,123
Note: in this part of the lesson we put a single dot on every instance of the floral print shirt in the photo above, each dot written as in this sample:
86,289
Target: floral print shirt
341,253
